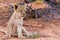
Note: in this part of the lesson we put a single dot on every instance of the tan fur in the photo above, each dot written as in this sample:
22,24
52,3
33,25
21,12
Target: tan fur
17,20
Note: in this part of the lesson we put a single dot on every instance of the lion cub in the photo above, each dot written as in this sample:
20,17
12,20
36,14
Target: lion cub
17,19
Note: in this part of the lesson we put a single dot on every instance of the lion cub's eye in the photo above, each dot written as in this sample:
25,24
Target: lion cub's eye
20,10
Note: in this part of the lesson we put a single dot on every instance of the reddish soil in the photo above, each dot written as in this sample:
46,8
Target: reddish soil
47,30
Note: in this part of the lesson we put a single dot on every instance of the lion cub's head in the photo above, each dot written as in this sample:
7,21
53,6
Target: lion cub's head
20,9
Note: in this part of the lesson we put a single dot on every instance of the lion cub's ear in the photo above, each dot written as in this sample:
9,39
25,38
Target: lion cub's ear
16,6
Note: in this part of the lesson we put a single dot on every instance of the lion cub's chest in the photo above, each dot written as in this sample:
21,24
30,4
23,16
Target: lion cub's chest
18,15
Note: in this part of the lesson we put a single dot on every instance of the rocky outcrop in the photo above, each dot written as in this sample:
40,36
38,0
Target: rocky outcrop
53,1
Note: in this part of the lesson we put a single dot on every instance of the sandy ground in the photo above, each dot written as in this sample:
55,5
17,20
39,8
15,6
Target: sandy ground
47,30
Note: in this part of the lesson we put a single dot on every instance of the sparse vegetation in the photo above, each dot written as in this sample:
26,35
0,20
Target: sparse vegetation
39,1
4,8
35,36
